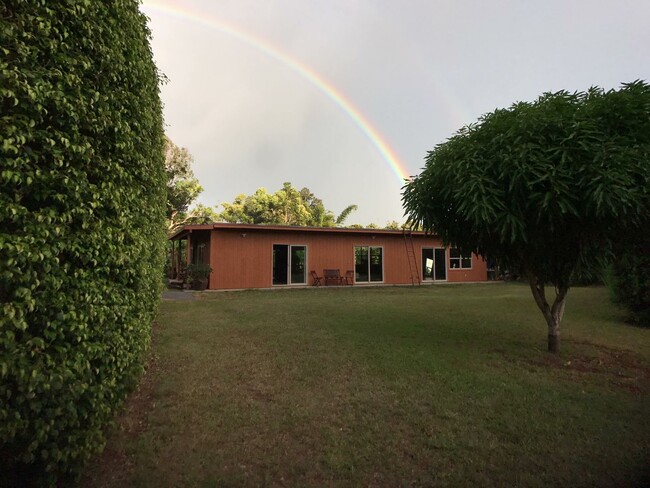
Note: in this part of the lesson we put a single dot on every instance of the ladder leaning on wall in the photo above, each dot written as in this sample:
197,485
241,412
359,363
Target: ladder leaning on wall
410,256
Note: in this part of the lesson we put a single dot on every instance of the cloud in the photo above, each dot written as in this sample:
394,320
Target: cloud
417,71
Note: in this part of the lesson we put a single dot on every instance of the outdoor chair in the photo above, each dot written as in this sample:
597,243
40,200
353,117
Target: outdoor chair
179,281
316,279
349,277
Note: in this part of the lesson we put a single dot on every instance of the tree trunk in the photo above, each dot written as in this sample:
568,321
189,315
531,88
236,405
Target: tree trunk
553,314
553,337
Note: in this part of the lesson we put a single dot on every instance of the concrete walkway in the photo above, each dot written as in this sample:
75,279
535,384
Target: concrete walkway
179,295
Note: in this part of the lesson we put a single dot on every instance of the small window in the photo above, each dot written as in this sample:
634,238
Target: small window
458,260
200,252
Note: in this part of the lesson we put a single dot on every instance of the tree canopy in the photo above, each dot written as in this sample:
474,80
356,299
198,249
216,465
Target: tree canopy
287,206
543,186
183,188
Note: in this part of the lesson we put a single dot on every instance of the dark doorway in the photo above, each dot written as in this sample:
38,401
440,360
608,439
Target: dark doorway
280,264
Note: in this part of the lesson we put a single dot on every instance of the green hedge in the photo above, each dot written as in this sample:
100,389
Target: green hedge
82,201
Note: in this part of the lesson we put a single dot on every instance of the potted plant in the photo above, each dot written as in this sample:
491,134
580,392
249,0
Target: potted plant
197,276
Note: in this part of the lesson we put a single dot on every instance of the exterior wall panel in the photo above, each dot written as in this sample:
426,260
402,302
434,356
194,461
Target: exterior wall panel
477,273
243,257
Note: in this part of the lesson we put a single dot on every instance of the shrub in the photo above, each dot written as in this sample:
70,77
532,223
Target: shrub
82,201
628,276
198,276
198,271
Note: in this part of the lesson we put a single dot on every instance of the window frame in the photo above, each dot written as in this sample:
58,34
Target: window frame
459,259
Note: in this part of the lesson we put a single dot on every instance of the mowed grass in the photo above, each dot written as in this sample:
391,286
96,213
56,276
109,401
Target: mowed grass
431,386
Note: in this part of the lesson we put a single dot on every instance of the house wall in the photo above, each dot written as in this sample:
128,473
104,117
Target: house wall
244,258
478,271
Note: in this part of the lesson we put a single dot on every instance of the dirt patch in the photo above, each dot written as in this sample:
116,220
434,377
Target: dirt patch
622,369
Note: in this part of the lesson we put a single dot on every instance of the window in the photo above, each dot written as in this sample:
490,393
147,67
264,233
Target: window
368,264
289,264
200,253
458,260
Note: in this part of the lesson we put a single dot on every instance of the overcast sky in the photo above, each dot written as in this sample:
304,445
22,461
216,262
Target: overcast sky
407,74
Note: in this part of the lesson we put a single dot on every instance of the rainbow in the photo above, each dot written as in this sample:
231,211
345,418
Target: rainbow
177,9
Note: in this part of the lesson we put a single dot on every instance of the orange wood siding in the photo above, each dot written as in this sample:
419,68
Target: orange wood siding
478,272
243,258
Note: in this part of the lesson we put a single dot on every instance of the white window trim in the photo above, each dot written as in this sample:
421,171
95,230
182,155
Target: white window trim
460,260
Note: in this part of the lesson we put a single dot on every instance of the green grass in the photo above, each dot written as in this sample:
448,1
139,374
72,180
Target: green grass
439,385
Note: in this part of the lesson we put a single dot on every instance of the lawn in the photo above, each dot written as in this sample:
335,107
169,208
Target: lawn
440,385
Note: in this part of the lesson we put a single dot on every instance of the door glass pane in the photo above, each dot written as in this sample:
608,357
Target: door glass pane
427,264
298,264
280,264
440,267
361,263
376,264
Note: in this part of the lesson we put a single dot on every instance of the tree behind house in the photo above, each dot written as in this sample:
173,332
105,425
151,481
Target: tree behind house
287,206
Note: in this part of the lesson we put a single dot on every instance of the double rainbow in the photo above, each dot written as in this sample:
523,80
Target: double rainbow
179,10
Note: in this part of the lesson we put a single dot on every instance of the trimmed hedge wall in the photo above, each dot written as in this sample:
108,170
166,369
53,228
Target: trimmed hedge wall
82,202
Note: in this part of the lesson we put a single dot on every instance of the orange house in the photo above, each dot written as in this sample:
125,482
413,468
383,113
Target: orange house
267,256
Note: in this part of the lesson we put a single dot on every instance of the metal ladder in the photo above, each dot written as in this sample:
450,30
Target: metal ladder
410,256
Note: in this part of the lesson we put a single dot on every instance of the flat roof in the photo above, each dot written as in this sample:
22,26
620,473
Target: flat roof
290,228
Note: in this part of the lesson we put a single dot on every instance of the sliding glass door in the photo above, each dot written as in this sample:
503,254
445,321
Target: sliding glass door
298,264
434,264
368,264
289,264
440,271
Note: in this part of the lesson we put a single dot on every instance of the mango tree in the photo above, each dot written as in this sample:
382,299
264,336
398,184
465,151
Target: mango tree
542,187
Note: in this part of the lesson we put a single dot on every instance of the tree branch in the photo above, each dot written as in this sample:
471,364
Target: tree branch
539,294
557,310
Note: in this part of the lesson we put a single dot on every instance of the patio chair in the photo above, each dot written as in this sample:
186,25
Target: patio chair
349,277
316,279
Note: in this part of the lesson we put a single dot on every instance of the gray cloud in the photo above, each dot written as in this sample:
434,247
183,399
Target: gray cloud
417,70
